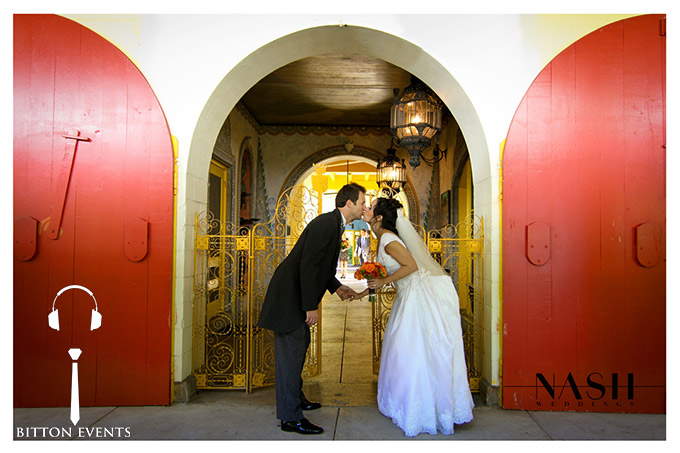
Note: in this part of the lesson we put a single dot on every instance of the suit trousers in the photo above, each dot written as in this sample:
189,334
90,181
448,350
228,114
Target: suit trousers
290,350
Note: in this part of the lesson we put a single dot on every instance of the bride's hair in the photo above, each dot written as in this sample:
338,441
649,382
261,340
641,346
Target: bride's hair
387,208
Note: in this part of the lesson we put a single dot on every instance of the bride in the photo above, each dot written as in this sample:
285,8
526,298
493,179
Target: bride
423,385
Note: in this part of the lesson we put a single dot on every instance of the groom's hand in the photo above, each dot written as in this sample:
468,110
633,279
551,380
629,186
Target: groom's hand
312,317
345,292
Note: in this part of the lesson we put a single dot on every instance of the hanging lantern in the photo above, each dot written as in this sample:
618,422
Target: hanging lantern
415,119
391,173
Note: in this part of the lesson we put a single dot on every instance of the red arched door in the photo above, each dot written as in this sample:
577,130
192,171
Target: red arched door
93,206
584,226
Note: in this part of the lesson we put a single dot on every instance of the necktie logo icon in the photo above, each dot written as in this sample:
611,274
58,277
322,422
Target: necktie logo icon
95,323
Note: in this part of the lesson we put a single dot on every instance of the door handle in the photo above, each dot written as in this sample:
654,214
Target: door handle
72,137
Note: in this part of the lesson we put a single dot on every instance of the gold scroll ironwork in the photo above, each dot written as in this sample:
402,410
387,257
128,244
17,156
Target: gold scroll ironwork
232,269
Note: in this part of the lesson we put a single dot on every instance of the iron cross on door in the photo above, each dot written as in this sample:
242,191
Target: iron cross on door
72,137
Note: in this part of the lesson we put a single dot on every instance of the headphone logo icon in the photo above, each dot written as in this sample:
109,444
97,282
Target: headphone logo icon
53,318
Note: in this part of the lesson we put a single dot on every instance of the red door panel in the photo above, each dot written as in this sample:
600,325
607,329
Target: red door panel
584,326
68,78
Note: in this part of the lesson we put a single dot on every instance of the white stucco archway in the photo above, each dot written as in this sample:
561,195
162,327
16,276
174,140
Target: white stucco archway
338,40
307,43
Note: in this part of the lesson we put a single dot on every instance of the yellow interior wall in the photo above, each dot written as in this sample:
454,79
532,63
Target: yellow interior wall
464,194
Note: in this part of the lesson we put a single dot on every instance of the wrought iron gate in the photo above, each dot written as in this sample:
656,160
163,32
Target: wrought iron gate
460,250
232,269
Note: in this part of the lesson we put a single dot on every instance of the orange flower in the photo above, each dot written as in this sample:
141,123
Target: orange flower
370,270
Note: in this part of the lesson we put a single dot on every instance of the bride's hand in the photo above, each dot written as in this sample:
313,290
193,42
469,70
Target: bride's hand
376,283
360,295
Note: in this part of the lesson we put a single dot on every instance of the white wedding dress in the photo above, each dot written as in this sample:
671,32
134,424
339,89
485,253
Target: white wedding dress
423,384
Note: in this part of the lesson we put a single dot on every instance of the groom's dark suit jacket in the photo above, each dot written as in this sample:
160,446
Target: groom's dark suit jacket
298,284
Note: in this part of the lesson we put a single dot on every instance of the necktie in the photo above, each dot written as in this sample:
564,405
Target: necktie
75,400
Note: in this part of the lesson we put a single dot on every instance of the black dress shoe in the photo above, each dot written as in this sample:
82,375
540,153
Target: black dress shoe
302,426
307,405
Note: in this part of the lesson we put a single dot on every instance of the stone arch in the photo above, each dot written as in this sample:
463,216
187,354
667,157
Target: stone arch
339,40
332,39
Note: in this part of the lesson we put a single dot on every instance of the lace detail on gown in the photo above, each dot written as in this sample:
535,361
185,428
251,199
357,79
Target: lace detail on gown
423,385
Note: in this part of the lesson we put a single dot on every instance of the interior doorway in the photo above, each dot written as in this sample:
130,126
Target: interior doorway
351,331
346,376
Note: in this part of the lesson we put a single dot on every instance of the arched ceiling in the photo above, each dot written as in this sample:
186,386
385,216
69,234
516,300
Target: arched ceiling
330,90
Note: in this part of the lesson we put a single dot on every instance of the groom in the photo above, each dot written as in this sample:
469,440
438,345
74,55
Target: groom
291,304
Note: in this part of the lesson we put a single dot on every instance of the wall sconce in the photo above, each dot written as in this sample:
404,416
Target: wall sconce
391,173
416,121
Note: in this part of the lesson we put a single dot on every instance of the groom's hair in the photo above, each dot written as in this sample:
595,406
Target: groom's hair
348,192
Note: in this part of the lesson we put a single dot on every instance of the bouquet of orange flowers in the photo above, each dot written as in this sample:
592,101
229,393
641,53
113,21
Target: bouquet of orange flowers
369,271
